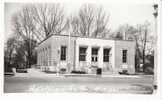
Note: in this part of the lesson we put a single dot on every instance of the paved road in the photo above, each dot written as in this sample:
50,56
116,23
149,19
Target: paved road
142,85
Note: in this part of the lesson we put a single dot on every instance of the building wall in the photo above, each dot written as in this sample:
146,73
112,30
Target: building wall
91,42
49,53
57,42
44,52
130,47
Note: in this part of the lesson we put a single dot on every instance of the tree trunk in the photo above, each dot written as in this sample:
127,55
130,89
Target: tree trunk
144,47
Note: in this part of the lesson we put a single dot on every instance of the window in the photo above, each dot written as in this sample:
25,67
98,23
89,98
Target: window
94,54
106,55
63,52
124,56
49,53
82,54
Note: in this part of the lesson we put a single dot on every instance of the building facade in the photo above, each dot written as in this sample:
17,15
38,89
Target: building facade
86,54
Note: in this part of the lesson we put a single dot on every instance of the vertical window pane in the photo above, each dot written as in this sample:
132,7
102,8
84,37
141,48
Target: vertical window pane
94,54
63,52
106,55
82,54
124,58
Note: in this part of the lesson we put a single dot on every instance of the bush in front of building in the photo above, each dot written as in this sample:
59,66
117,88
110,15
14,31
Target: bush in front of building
148,68
63,70
124,72
50,72
78,72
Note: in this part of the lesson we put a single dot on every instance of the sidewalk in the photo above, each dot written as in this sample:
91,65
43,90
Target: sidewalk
37,73
37,81
108,76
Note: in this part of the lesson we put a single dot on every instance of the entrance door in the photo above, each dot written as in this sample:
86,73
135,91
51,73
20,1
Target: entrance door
94,57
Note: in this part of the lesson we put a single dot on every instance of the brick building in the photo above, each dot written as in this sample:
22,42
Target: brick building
85,54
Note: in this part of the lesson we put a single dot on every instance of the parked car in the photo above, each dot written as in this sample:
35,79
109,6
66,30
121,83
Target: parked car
21,70
9,72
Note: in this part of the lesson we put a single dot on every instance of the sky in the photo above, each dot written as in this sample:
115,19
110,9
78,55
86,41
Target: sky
120,13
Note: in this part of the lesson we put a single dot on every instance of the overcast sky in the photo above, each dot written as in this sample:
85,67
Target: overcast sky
119,13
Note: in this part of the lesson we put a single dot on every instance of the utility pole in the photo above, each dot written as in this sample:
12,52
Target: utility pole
155,45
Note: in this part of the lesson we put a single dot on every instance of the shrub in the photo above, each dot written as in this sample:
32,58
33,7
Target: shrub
63,69
148,68
124,72
78,72
50,72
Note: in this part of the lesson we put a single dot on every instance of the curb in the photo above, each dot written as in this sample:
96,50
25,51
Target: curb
94,75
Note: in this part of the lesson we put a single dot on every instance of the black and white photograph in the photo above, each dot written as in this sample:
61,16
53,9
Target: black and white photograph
84,47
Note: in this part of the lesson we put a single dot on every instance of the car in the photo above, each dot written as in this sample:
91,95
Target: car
21,70
9,72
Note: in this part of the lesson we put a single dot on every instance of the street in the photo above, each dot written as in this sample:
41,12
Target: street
95,84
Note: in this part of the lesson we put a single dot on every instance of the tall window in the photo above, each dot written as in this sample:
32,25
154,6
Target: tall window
49,53
63,52
124,57
106,55
94,54
82,54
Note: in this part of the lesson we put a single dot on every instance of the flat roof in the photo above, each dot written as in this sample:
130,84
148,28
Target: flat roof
81,37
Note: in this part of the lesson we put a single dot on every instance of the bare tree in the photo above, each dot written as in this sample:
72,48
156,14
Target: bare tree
143,31
86,15
126,32
75,25
140,34
91,21
49,18
10,47
35,22
150,46
24,27
101,21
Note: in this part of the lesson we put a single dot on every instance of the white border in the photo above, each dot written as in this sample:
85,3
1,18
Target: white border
76,96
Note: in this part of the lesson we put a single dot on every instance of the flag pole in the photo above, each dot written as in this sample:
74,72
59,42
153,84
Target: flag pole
69,48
